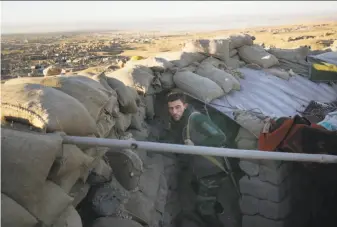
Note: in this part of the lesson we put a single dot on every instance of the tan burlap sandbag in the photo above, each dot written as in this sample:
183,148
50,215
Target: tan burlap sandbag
157,64
14,215
182,59
214,47
49,203
46,108
257,55
200,87
246,140
68,168
95,98
79,192
126,99
294,55
281,73
240,40
166,80
252,122
225,80
103,80
214,62
138,77
141,206
31,155
123,121
137,119
69,218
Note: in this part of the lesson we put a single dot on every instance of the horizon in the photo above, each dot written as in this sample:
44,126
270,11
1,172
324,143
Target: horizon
69,16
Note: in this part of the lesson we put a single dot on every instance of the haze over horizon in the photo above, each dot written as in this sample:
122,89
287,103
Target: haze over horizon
58,16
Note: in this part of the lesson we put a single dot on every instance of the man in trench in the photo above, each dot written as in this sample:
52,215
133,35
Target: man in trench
189,127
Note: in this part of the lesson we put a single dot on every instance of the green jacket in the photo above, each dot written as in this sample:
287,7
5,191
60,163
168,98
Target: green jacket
203,132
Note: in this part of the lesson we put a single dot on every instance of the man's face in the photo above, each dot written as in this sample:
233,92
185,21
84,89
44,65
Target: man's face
176,109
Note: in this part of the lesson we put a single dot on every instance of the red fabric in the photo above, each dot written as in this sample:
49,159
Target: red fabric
288,137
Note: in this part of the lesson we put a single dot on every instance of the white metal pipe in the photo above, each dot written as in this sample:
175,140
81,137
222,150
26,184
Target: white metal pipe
199,150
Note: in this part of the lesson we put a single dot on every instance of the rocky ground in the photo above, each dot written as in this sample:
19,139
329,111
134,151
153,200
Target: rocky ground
28,55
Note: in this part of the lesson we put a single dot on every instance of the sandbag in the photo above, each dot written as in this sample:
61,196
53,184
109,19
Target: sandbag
69,218
236,57
125,96
294,55
68,168
182,59
240,40
102,173
166,80
52,71
215,62
111,221
107,199
281,73
123,121
135,95
137,119
105,123
138,77
127,167
156,64
233,52
200,87
140,206
232,63
215,47
149,100
90,93
256,54
31,155
226,81
14,215
103,80
79,191
252,122
46,108
139,135
48,203
246,140
192,67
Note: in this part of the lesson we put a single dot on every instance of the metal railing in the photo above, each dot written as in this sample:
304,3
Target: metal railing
199,150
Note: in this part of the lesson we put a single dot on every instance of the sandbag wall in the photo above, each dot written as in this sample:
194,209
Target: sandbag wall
43,179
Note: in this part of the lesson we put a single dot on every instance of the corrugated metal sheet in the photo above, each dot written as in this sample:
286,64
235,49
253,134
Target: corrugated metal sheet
273,96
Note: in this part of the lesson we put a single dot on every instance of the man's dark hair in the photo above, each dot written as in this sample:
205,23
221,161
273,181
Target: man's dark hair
171,97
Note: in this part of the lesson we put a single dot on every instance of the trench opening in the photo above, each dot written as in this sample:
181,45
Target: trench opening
312,189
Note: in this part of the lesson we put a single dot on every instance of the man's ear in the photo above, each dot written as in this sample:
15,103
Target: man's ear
185,105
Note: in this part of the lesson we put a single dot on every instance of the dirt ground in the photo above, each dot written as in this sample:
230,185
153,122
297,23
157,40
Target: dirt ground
318,35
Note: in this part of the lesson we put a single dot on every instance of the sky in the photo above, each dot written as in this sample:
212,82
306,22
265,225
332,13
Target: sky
49,15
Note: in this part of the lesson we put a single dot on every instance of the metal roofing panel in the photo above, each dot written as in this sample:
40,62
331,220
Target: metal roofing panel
272,96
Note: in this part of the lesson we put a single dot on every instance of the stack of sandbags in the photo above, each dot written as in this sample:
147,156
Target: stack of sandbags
293,59
235,42
29,195
218,48
44,109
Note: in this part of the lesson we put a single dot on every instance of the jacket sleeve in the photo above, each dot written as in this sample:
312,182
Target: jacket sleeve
214,137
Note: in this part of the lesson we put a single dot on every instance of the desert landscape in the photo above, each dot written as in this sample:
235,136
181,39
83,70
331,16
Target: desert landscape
92,52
